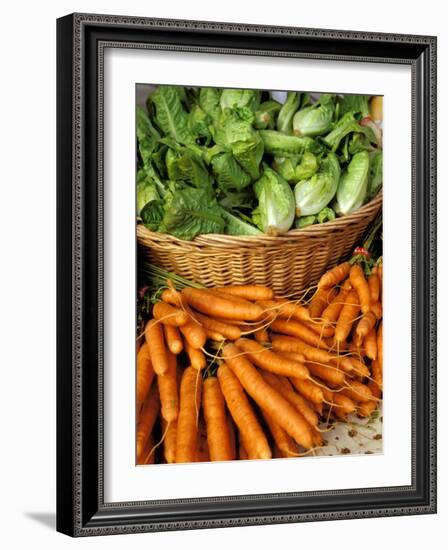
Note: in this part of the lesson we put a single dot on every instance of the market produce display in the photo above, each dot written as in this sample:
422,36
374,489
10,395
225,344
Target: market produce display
228,373
239,162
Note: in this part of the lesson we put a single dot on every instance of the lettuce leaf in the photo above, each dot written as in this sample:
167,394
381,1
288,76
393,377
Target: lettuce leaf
184,165
170,114
147,135
231,98
228,173
190,212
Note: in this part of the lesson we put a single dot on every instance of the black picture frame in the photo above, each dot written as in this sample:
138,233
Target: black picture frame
81,39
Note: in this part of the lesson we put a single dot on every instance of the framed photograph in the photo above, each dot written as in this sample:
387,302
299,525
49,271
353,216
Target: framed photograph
246,274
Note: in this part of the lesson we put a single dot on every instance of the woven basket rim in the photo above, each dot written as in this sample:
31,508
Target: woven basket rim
235,240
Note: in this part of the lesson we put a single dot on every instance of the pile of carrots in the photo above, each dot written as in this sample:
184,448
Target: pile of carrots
233,372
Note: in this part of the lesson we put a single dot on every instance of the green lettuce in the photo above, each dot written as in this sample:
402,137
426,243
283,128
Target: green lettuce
236,226
170,114
314,194
281,145
228,173
358,104
190,212
375,174
352,189
265,116
209,102
315,120
284,120
231,98
346,125
184,165
147,135
276,208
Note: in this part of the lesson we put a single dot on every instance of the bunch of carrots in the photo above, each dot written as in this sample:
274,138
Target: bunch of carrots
234,372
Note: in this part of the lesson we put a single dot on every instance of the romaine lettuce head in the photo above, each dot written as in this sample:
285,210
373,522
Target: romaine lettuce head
199,123
375,174
352,189
236,134
357,104
152,214
265,116
281,145
284,120
276,209
312,195
170,114
147,135
308,167
346,125
228,173
285,167
146,190
184,165
315,120
231,98
190,212
209,102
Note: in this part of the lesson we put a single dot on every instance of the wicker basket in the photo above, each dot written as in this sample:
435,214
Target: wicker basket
289,263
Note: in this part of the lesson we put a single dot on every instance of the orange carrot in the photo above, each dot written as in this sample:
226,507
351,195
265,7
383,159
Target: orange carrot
366,408
347,316
329,374
203,452
295,345
194,334
297,357
251,433
358,367
270,361
370,344
173,339
145,374
216,306
361,286
374,388
331,313
377,373
283,387
374,285
357,391
218,436
342,402
146,420
169,443
282,440
156,346
365,325
377,309
284,309
212,335
196,357
231,332
187,427
261,335
377,366
242,453
169,315
270,401
294,328
173,297
167,384
321,299
324,331
309,390
249,292
334,276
